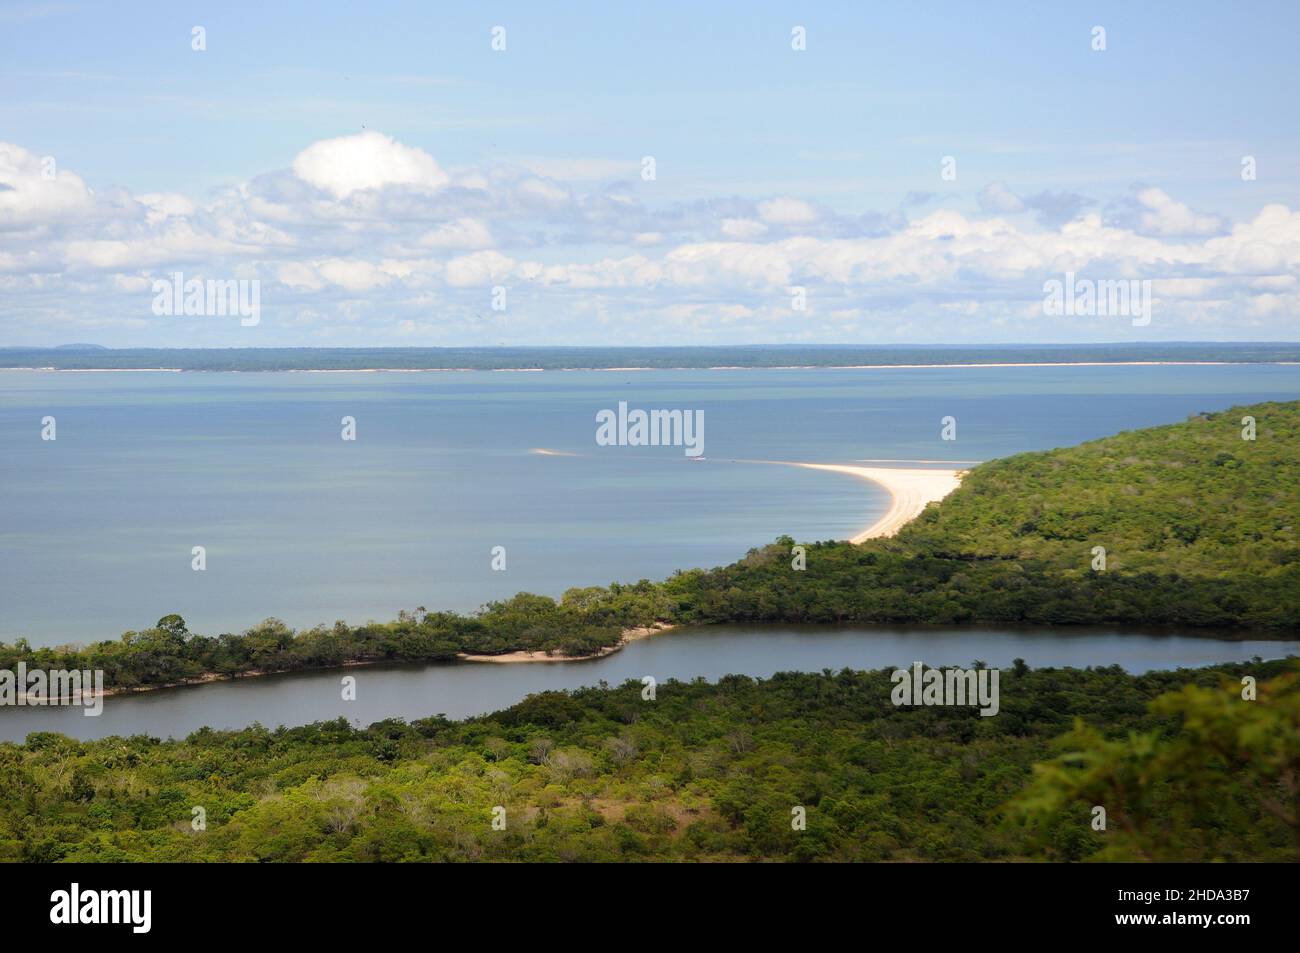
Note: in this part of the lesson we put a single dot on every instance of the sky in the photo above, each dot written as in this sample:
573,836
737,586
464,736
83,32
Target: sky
415,174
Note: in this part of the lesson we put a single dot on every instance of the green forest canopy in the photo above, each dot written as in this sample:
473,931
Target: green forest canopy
1186,768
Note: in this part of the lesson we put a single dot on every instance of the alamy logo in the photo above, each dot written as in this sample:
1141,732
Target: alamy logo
103,906
956,686
54,687
653,428
1083,297
211,298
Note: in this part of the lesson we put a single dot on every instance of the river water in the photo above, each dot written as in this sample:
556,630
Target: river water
463,689
97,527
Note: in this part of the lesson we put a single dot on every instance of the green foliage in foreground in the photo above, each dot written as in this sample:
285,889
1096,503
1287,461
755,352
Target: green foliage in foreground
1179,795
704,772
1201,529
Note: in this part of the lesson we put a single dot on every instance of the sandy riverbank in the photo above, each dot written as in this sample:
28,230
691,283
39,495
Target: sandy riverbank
910,491
629,635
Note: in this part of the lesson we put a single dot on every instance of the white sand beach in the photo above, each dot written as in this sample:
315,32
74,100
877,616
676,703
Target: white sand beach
629,635
910,490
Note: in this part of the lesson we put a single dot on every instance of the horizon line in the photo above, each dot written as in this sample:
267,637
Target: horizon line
641,347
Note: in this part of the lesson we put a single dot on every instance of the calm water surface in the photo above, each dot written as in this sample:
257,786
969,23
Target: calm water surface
97,527
463,689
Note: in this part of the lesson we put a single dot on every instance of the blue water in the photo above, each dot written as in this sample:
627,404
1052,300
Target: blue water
96,528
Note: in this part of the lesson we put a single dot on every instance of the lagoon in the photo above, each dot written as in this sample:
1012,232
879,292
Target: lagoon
466,689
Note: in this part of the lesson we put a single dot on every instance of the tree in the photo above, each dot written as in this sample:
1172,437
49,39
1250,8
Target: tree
1225,777
173,625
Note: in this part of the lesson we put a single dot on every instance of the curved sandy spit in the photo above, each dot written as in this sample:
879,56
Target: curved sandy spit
910,491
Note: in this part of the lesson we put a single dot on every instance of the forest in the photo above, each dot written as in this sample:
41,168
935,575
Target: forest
1185,766
1200,529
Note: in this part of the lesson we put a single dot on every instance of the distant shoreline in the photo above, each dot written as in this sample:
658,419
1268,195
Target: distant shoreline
720,367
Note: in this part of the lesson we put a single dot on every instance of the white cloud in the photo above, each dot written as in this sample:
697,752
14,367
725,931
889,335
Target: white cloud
480,268
29,193
995,198
132,284
542,192
352,275
367,160
1165,216
371,235
743,229
462,233
164,205
786,211
300,276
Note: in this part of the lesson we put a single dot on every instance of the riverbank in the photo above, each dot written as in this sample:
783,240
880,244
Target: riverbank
208,678
628,635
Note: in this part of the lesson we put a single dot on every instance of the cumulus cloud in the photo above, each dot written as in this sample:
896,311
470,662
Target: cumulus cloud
367,160
34,190
994,197
462,233
1165,216
787,211
352,274
743,229
1050,208
375,235
479,269
164,205
300,276
1153,211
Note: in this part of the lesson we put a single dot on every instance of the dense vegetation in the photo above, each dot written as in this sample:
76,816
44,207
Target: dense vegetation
1201,529
1186,769
82,357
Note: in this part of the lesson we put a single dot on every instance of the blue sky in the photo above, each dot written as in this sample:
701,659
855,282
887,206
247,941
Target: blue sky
774,169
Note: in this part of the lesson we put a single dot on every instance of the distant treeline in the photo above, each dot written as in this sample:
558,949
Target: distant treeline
1187,525
87,357
799,767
